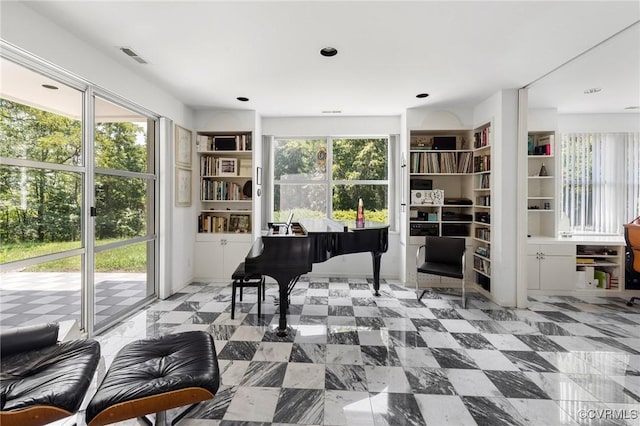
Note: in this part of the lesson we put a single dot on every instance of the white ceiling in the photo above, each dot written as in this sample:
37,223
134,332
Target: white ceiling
207,53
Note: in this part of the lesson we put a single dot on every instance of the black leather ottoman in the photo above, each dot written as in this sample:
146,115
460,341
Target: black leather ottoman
154,375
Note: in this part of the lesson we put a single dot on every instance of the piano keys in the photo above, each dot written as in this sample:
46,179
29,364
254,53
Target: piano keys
287,255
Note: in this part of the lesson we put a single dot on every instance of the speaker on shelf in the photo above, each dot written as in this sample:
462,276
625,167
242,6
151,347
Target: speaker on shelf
224,143
421,184
444,143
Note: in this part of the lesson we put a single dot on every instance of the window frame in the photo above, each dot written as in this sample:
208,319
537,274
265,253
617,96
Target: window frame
329,182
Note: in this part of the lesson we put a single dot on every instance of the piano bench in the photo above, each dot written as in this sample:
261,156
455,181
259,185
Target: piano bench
242,279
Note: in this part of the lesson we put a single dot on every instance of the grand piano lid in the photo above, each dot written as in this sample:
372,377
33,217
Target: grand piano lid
324,225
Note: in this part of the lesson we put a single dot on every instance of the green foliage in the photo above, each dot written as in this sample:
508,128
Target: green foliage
373,216
339,215
131,258
43,205
360,159
353,159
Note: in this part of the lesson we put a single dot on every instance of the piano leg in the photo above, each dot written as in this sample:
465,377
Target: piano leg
376,272
284,307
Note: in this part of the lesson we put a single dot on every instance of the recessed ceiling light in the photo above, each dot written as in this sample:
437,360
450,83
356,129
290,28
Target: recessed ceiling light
50,86
242,99
633,107
332,111
592,91
422,95
328,51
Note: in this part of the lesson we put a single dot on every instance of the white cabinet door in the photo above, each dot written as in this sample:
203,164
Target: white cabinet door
551,267
209,260
234,253
533,272
219,255
558,273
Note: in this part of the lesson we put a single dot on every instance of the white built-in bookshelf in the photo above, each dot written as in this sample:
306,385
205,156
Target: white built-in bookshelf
482,179
225,167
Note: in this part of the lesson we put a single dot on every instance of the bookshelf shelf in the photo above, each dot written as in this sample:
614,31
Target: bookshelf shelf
482,272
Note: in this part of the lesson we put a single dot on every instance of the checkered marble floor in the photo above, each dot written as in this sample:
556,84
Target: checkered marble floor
28,298
350,358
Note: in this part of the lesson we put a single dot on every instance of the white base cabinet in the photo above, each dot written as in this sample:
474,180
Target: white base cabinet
218,255
551,267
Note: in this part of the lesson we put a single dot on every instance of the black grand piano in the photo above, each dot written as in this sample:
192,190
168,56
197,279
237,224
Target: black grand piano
290,250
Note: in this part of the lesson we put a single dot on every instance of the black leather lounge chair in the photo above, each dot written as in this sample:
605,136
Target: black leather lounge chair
42,380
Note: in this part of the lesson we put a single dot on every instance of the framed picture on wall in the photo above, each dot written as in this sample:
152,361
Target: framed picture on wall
183,147
183,187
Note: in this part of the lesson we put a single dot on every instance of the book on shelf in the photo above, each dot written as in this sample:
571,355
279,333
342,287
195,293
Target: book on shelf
209,223
482,265
208,143
484,181
583,260
482,163
441,162
214,190
481,138
245,167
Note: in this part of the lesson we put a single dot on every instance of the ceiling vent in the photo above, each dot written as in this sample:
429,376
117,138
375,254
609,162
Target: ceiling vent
129,52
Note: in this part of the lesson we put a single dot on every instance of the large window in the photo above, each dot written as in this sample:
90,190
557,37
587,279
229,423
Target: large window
600,180
325,177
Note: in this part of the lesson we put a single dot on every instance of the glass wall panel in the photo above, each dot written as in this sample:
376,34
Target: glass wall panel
40,118
360,159
41,293
121,139
121,279
304,159
374,197
121,208
307,200
40,212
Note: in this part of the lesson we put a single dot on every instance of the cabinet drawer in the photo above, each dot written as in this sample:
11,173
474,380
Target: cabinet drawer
552,249
558,249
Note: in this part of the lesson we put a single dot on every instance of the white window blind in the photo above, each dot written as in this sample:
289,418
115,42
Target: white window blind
600,180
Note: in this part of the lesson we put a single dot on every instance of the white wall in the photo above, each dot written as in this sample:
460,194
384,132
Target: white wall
331,126
29,31
628,122
451,118
542,119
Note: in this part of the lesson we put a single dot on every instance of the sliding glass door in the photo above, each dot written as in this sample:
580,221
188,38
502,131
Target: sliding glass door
77,200
123,213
